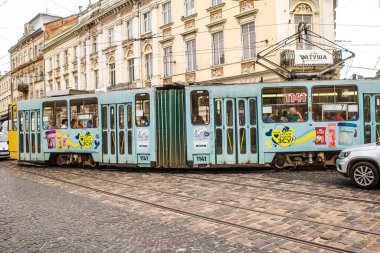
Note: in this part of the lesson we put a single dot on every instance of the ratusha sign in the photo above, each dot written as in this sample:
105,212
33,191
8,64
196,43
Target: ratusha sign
312,57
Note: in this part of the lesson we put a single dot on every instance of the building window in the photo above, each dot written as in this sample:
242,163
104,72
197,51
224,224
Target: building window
131,70
304,44
129,27
75,52
96,78
58,83
168,61
167,12
149,66
191,55
147,22
110,37
66,57
50,64
215,2
84,49
95,44
76,81
57,63
218,48
67,85
112,74
189,7
249,40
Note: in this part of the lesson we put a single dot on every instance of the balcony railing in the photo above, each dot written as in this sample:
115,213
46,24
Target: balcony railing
287,58
23,87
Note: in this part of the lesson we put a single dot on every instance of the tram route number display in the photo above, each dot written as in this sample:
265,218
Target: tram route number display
295,97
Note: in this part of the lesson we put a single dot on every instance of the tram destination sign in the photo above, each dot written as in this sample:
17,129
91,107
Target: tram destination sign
312,57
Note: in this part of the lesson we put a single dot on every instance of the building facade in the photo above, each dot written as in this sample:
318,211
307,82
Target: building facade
27,64
126,44
5,94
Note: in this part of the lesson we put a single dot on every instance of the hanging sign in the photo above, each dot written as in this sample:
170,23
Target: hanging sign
312,57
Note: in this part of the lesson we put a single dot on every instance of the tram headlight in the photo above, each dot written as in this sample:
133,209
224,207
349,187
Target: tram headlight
344,154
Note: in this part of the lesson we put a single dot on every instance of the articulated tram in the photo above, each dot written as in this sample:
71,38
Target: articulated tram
279,124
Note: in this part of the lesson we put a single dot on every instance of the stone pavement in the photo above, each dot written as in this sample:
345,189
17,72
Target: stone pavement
42,214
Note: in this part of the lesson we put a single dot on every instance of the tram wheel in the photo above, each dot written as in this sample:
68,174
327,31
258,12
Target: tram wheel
60,160
279,162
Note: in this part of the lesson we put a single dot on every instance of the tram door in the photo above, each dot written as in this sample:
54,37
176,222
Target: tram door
117,133
235,131
30,135
372,118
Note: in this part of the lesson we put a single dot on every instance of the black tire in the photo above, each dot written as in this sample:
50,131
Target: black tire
365,175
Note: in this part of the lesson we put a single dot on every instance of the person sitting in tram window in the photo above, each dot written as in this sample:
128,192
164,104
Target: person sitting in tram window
64,123
74,123
144,121
284,117
268,118
338,116
89,124
294,115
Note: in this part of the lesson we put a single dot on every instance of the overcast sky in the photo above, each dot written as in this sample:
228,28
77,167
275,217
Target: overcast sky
358,23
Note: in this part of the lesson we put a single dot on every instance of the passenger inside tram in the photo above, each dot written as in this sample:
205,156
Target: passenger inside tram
64,123
294,115
74,123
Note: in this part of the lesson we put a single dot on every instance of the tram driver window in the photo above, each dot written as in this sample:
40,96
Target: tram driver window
287,104
200,107
54,115
84,113
142,110
335,103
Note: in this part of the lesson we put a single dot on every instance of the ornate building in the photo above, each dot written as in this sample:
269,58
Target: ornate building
124,44
27,64
5,94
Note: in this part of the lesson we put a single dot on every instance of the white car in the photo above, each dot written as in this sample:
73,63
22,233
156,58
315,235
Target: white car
4,152
361,163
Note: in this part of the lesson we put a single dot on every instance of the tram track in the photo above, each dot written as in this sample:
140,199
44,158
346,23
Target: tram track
374,202
223,204
194,215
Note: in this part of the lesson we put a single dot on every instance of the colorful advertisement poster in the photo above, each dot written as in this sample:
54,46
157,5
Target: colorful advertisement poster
320,136
50,137
201,138
332,135
143,139
61,140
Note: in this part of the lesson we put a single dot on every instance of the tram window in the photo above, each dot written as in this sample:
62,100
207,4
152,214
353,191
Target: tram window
84,113
377,104
13,112
241,112
122,142
253,141
26,121
32,121
335,103
367,109
104,117
112,116
129,116
243,149
252,111
21,121
54,115
287,104
367,134
38,120
142,110
200,107
130,142
121,116
219,113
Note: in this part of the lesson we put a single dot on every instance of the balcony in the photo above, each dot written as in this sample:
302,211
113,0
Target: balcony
23,87
287,60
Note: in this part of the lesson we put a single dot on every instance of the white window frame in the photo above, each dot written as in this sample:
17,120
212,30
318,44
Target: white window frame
66,56
95,44
216,2
131,69
147,21
168,61
129,29
167,13
189,7
303,45
249,51
112,74
191,55
96,78
57,60
218,54
149,66
111,40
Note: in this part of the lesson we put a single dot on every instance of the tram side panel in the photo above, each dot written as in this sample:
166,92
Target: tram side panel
12,131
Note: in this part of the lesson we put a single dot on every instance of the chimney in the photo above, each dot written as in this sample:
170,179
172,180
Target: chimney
80,9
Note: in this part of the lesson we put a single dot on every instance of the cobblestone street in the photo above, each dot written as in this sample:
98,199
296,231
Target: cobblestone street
108,210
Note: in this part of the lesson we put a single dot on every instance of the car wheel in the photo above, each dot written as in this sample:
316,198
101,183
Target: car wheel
365,175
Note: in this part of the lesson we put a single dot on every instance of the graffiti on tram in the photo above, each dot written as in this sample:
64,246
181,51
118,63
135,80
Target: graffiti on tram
57,139
334,134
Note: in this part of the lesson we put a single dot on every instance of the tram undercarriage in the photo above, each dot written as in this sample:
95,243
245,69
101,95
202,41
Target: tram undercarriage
286,160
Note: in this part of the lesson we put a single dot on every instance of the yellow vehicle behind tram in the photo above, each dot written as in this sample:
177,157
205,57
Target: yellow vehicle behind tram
12,131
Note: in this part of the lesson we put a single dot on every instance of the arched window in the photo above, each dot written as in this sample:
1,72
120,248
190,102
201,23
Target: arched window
303,14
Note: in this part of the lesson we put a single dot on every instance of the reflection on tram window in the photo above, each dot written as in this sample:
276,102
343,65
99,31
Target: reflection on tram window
54,115
142,110
200,107
287,104
335,103
84,113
